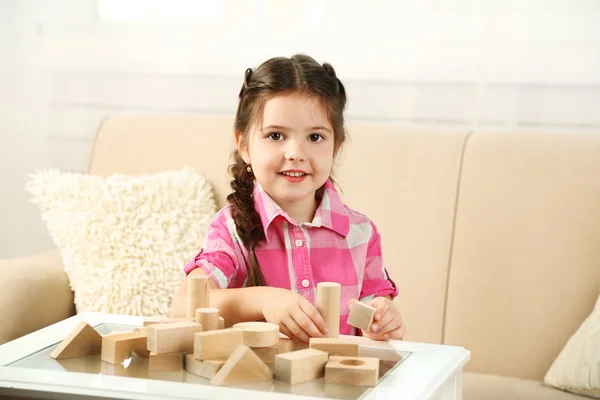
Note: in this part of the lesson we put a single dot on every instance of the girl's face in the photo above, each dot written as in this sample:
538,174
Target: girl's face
292,152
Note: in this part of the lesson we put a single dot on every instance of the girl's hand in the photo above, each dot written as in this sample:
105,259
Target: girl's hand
296,317
387,322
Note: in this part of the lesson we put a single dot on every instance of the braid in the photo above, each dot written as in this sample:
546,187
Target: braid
247,220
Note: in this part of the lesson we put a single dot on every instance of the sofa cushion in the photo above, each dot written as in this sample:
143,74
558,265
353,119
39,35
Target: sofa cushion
577,367
124,239
493,387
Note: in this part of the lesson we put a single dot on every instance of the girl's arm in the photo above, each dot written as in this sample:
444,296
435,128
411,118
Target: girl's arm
296,317
235,305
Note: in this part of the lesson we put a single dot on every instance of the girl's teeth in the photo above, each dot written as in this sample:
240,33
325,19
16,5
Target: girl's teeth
294,173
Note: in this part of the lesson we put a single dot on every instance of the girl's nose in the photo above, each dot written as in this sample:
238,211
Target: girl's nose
294,153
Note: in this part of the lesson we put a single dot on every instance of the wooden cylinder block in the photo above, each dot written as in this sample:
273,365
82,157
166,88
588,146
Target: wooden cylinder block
197,294
328,305
208,318
259,334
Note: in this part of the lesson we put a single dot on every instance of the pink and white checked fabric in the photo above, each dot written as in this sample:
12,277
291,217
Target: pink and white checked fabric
339,245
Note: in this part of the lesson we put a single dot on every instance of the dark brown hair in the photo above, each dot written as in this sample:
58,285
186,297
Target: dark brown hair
277,76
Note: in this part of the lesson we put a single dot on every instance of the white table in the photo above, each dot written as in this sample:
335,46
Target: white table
427,372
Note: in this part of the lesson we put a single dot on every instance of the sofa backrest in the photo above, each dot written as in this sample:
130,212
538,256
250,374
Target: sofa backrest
491,238
525,269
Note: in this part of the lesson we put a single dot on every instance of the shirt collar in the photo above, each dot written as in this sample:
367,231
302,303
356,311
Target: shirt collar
331,212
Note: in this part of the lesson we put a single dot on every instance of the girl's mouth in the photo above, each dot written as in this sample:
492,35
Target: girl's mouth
293,176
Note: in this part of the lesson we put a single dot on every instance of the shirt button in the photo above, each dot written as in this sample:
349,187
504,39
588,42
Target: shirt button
298,242
305,283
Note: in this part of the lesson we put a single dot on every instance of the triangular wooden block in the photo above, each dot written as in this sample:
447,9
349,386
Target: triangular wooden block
242,366
83,341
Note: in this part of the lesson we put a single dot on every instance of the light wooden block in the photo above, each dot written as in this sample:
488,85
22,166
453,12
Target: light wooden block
206,369
328,305
286,345
208,318
197,294
300,366
166,362
174,337
361,315
143,353
355,371
216,344
163,320
338,347
221,323
259,334
116,348
82,341
241,367
267,354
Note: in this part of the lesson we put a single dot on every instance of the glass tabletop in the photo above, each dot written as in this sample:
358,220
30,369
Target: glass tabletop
137,367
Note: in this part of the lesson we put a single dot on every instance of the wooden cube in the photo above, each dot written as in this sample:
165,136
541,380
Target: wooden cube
335,346
356,371
267,354
174,337
300,366
216,344
361,315
206,369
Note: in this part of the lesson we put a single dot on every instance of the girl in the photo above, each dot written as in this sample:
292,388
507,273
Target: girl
286,228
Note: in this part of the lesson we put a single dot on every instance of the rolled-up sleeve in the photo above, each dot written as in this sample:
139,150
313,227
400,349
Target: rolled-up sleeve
220,254
376,281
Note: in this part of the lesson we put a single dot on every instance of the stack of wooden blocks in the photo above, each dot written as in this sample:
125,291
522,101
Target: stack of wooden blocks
246,352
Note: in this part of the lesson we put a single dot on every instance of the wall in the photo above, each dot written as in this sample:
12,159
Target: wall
471,64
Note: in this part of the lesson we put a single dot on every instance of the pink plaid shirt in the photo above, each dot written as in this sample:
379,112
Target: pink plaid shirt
339,245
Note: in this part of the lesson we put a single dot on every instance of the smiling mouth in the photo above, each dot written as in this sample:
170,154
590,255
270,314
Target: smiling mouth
293,173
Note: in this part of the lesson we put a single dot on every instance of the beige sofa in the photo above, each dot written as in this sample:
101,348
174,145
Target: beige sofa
492,237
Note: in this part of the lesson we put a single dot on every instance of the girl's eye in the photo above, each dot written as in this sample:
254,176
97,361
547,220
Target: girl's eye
275,136
315,138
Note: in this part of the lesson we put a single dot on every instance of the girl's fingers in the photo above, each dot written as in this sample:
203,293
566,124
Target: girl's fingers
378,325
295,329
392,325
306,323
315,318
382,309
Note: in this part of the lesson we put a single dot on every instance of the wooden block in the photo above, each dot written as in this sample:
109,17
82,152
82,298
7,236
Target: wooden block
361,315
259,334
221,323
82,341
300,366
166,362
208,318
197,294
241,367
206,369
174,337
267,354
286,345
356,371
216,344
337,347
328,305
116,348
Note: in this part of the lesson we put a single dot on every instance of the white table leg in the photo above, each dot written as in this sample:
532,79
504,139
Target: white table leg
452,390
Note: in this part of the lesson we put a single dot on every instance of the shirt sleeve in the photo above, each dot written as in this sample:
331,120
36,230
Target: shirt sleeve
219,256
376,281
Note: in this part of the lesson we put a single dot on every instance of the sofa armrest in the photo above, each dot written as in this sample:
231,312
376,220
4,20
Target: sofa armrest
34,293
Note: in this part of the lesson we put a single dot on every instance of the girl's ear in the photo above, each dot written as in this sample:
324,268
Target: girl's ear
241,148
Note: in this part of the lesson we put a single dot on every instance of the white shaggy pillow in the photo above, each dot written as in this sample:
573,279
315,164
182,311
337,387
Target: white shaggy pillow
125,239
577,367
